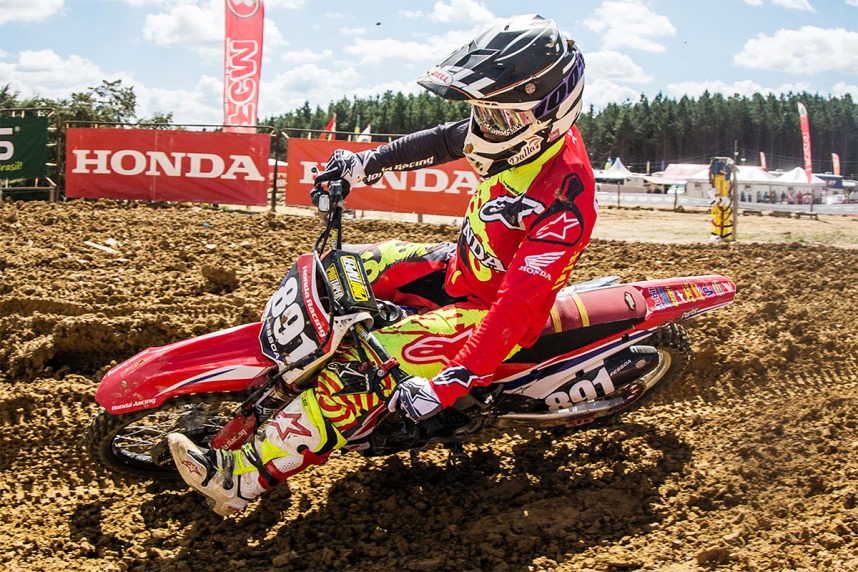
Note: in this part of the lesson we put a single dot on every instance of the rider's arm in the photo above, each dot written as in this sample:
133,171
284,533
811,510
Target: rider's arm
434,146
538,270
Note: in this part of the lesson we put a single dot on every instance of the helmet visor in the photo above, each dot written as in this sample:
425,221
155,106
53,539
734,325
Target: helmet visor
501,122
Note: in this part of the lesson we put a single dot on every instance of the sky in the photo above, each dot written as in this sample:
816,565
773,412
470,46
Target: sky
319,51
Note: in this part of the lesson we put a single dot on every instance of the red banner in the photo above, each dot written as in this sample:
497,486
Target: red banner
440,190
835,163
242,60
805,140
160,165
763,161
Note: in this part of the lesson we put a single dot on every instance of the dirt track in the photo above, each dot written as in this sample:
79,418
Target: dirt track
752,464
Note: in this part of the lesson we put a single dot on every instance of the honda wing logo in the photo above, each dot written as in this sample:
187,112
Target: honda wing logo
536,264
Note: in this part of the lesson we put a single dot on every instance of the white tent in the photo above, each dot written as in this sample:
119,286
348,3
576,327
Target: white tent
747,175
752,174
798,176
616,172
751,181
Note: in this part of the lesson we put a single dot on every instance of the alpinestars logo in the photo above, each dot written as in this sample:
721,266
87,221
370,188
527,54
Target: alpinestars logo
457,375
510,211
536,263
564,228
287,424
433,349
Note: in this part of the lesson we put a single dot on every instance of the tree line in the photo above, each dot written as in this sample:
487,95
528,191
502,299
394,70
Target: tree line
652,132
655,132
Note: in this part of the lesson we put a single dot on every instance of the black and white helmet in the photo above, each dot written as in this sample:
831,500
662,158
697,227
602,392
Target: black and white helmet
524,82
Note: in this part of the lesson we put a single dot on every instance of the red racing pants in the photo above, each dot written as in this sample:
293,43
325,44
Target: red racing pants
408,274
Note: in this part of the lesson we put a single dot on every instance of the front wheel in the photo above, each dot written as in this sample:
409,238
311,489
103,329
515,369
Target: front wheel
135,444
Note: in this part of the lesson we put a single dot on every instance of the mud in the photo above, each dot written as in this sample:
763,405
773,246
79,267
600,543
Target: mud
751,463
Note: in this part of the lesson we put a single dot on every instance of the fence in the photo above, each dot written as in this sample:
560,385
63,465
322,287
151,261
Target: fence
54,176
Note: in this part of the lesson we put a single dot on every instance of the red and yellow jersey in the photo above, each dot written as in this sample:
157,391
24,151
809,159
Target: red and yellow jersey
524,230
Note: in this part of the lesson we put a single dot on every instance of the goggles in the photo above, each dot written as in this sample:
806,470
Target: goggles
501,122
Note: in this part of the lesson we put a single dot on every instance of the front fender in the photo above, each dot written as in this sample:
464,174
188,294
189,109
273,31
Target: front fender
227,360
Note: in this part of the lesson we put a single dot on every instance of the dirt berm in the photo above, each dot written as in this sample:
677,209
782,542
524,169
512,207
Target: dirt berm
751,463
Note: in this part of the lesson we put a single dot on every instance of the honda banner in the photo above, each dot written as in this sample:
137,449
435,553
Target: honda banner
434,189
160,165
242,61
23,147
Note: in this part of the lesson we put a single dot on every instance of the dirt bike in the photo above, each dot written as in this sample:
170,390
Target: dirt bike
606,347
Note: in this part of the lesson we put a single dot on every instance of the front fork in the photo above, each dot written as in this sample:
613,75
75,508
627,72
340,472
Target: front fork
272,397
255,411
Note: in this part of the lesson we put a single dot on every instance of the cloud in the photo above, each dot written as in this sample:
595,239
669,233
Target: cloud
629,24
320,86
601,92
360,31
305,55
202,105
842,88
803,5
746,88
807,50
45,73
199,27
456,12
188,25
29,10
431,51
614,66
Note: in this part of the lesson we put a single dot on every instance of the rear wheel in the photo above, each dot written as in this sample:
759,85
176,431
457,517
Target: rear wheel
134,444
673,347
674,352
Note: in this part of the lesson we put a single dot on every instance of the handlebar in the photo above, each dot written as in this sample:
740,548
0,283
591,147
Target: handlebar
329,205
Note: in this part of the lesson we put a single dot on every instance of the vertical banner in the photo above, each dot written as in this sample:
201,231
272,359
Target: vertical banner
835,163
763,161
805,140
23,147
242,64
722,178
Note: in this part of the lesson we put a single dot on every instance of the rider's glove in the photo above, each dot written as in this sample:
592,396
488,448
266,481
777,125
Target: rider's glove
344,165
415,398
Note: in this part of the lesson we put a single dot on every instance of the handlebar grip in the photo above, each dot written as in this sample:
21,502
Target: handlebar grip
338,189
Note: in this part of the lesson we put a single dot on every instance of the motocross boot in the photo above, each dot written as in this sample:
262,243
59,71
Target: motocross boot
296,437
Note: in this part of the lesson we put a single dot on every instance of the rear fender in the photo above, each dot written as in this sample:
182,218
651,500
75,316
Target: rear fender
664,301
227,360
677,299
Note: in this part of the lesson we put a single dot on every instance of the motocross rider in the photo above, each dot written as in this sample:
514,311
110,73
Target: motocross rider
484,298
